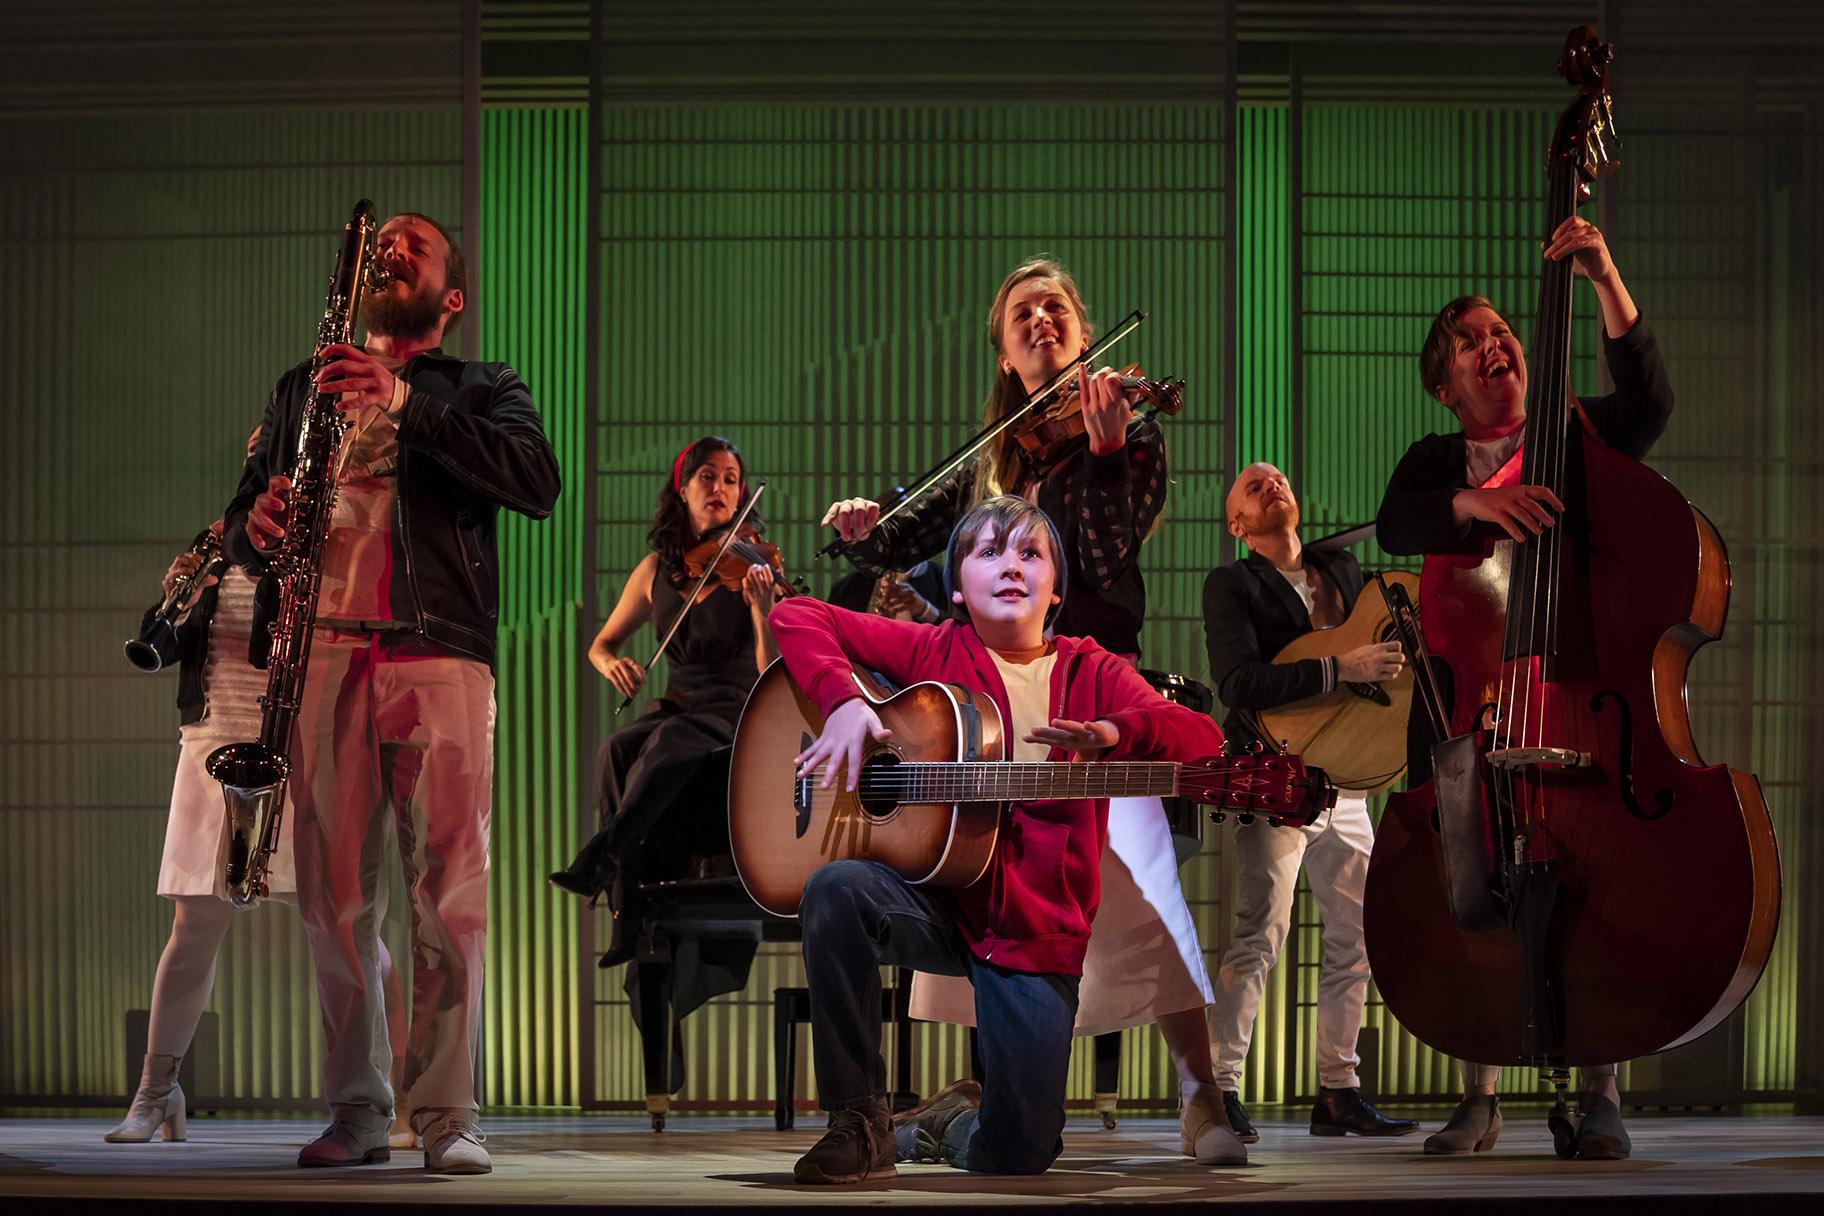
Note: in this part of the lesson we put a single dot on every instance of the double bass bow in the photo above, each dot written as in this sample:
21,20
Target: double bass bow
1574,885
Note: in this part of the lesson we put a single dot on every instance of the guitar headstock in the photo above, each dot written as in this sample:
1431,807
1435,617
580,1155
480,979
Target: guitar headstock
1276,786
1586,136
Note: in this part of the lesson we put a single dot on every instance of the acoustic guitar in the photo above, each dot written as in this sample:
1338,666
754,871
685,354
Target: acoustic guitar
1356,732
931,798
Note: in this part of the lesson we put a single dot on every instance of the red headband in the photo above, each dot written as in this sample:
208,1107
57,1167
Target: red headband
677,471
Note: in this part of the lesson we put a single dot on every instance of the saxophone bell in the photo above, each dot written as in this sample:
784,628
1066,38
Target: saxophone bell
253,778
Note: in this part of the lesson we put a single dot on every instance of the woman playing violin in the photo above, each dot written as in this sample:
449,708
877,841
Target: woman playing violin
712,661
1104,493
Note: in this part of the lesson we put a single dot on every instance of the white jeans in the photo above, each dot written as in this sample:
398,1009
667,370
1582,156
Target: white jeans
1334,852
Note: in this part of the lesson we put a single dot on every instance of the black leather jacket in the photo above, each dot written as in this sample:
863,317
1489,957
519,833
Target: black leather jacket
470,442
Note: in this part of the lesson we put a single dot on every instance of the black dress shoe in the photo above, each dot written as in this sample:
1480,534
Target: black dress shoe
1238,1118
1341,1111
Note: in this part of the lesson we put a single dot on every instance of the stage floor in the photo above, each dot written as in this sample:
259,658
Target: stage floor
1680,1163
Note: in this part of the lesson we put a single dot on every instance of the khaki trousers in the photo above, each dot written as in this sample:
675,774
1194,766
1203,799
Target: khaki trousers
389,726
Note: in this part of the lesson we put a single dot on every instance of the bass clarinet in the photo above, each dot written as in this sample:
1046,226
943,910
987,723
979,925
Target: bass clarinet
253,773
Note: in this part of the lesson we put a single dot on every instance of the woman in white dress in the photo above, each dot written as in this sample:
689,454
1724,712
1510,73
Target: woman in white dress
1104,493
218,695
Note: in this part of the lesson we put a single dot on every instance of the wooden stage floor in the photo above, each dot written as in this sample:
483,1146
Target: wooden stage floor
1680,1164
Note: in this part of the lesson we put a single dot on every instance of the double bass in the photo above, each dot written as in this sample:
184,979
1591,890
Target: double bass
1574,885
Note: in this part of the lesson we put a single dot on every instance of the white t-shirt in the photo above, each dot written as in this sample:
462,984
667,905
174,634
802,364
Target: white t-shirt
1483,458
1029,699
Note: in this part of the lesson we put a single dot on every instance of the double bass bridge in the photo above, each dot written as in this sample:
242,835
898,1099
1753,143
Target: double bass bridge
1538,757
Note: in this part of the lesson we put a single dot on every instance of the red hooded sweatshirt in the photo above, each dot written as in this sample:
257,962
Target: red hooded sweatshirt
1031,911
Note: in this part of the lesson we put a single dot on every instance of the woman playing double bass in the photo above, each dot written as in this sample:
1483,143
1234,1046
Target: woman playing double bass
712,662
1446,497
1104,493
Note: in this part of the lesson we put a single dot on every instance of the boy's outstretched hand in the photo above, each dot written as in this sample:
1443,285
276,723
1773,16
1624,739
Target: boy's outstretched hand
1087,739
845,733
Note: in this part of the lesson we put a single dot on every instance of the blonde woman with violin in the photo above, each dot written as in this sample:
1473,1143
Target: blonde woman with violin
1104,491
712,660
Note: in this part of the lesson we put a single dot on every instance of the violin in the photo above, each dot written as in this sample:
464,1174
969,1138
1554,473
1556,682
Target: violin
1043,401
1045,433
730,571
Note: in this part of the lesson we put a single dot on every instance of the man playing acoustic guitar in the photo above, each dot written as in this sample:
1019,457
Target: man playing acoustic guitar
1251,609
1020,931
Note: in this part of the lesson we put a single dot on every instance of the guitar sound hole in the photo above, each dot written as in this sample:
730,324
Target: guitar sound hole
879,798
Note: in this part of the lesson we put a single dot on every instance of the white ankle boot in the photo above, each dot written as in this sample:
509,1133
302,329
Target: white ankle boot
158,1104
1203,1127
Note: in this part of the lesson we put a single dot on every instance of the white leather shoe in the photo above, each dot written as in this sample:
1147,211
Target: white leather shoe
452,1145
157,1105
1203,1127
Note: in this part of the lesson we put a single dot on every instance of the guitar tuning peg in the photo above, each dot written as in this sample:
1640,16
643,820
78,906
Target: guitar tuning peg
1244,819
1218,817
1284,746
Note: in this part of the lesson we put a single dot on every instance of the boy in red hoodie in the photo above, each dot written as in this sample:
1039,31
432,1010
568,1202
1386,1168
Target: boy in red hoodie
1018,933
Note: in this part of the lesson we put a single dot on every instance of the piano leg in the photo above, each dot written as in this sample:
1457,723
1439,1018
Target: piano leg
1108,1076
903,1096
655,1039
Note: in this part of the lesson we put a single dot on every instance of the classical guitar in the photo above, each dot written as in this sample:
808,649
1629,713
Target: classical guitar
930,798
1356,732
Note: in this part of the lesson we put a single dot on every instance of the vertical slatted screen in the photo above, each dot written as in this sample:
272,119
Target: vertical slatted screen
532,317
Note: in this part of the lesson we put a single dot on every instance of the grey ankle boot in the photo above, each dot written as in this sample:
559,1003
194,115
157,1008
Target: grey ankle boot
1473,1127
159,1103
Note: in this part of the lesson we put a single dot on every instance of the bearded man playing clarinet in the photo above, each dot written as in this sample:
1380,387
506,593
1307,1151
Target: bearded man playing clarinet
397,710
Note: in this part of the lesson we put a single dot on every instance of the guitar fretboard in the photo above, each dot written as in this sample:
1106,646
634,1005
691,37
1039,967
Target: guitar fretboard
1023,781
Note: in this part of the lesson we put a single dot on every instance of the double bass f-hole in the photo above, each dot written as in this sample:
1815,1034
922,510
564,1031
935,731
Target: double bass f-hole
1624,762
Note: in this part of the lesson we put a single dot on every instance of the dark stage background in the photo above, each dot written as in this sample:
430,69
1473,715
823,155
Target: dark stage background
783,221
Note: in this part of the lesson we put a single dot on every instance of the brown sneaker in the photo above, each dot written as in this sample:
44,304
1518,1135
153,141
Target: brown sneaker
930,1119
858,1146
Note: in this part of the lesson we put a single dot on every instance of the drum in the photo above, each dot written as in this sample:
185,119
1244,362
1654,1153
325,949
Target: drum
1185,816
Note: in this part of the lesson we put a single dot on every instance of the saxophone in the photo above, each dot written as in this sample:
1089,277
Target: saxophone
152,649
253,773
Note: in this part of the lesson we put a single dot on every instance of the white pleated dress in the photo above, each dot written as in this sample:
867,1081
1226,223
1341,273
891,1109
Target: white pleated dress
196,835
1144,957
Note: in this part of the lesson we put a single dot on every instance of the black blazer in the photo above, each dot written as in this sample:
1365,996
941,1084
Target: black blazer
1250,612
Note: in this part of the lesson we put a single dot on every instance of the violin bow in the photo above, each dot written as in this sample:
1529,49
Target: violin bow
709,569
945,466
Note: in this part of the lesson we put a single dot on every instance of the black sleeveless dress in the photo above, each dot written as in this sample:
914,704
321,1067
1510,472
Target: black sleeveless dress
708,672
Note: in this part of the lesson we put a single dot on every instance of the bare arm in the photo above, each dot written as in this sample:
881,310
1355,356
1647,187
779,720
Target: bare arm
631,611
